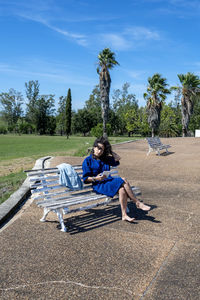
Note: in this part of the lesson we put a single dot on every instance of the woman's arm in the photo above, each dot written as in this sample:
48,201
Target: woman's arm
99,177
88,172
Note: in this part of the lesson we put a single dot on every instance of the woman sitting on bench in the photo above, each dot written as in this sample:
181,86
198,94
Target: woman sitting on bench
100,160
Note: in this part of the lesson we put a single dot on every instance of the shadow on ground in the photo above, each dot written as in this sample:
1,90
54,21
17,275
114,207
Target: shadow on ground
96,218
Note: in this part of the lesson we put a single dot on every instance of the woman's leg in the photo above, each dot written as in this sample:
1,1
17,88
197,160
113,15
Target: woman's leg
130,194
123,202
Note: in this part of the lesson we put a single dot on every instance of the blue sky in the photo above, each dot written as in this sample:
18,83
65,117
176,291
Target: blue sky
57,43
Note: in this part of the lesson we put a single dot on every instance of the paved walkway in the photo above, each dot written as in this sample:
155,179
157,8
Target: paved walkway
102,257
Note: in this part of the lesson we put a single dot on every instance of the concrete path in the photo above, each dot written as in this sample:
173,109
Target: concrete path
101,257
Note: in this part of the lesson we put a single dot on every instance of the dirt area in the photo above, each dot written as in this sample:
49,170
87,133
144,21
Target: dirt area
102,257
16,165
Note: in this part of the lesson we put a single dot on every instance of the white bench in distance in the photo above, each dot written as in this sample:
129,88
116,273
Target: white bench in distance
51,196
156,145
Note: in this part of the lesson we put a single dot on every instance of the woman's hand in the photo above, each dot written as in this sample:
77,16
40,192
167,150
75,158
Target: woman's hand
100,177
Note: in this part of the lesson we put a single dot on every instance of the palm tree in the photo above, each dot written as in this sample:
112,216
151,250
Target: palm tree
106,61
190,92
156,94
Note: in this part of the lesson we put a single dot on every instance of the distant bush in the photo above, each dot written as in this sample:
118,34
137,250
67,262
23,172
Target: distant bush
25,127
97,131
3,130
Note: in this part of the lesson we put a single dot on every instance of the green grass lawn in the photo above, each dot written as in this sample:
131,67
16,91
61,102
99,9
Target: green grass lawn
13,147
9,184
18,146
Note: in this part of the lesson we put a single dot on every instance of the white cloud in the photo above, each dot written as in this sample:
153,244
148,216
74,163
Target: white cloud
115,41
135,74
76,37
141,33
46,71
43,13
129,38
49,13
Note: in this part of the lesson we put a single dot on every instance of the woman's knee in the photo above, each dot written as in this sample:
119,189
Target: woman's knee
125,180
122,190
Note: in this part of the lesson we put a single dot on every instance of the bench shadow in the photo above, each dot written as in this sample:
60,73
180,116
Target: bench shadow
96,218
166,153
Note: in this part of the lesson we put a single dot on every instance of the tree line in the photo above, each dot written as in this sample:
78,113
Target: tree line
181,116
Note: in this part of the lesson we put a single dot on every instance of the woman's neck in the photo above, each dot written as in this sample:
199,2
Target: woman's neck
96,157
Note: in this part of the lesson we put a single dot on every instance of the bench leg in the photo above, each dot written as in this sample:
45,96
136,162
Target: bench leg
46,211
60,217
150,150
158,152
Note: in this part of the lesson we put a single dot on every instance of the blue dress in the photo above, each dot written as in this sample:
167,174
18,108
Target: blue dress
92,167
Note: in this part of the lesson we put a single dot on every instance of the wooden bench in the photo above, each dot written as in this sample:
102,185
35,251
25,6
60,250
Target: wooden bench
156,145
52,196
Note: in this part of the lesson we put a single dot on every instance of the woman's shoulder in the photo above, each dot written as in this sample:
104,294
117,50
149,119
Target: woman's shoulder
88,159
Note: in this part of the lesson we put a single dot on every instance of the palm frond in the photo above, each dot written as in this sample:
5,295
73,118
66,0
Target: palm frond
107,58
156,90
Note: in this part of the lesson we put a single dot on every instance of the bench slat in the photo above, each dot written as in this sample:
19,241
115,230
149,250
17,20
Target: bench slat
73,198
48,195
70,202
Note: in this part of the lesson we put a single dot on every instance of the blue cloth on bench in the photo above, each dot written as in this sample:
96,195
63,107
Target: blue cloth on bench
68,177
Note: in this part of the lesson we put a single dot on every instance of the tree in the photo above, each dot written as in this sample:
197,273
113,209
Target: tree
123,103
156,94
190,93
40,109
175,105
44,110
32,94
12,107
68,113
97,131
195,118
168,126
106,61
82,121
131,119
143,126
61,115
51,125
114,122
93,105
24,126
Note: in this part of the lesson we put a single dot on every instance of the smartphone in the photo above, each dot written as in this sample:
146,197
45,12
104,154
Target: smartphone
106,173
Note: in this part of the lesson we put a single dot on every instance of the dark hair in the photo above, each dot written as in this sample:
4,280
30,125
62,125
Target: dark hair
107,147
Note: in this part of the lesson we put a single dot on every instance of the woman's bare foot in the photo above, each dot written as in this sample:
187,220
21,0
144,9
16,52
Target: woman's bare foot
142,206
128,219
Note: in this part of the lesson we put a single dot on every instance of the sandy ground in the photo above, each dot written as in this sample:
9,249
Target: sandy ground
16,165
102,257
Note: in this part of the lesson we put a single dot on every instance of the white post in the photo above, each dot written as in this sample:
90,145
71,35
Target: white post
197,132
